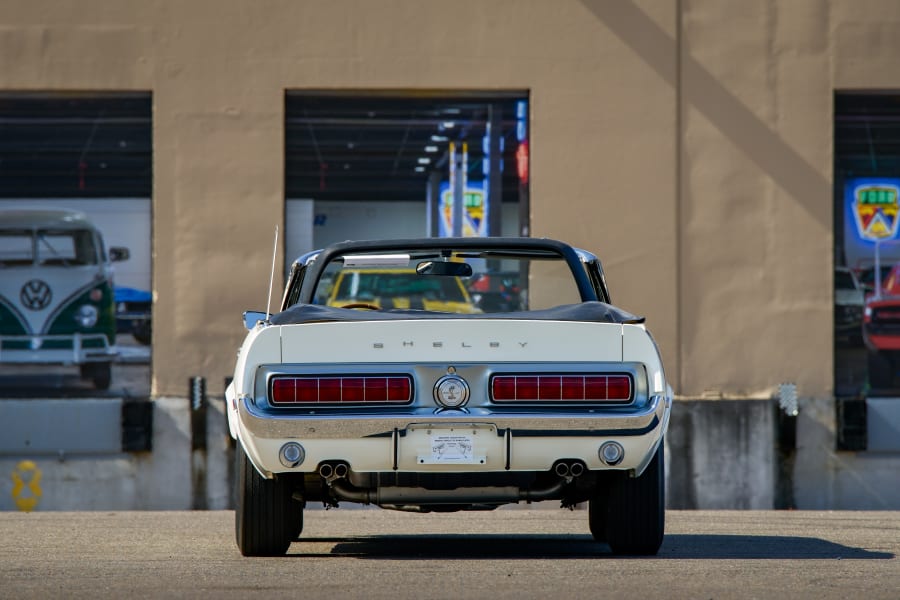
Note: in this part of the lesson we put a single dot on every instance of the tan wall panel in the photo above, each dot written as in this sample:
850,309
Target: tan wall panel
215,230
757,304
39,56
604,171
866,45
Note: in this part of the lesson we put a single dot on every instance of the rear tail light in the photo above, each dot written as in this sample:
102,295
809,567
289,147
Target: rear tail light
561,388
368,389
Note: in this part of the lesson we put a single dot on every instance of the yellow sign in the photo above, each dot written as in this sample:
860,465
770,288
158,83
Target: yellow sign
26,491
474,224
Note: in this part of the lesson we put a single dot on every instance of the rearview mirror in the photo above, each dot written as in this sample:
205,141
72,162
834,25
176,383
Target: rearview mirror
452,269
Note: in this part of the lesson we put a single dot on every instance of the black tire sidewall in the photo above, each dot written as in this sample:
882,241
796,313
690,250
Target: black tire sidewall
267,518
635,512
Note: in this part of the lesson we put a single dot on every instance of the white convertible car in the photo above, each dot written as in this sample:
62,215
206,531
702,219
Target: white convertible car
387,378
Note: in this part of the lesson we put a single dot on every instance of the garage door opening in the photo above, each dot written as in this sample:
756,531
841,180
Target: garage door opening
376,165
867,269
75,191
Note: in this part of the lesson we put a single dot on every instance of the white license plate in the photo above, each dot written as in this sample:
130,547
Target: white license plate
451,448
465,444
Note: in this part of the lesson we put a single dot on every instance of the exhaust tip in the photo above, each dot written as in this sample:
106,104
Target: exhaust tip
561,469
577,469
334,470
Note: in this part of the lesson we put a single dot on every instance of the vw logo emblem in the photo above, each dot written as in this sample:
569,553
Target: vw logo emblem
35,295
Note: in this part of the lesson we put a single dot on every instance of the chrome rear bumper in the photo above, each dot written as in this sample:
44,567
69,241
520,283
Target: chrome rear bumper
596,423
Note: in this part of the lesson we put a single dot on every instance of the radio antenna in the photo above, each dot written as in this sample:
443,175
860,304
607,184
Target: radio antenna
272,275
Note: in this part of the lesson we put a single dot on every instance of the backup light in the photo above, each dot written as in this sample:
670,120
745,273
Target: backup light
291,455
569,387
368,389
611,453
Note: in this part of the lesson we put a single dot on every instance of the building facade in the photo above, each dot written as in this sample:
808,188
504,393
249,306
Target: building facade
688,143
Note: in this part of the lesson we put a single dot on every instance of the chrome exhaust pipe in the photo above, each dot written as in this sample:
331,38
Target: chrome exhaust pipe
561,469
341,470
542,494
326,470
345,491
576,469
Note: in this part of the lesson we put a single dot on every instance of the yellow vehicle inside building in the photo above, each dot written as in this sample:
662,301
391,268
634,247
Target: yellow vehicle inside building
382,288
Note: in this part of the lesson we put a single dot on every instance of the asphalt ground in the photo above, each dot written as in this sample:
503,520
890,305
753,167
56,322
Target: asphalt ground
518,554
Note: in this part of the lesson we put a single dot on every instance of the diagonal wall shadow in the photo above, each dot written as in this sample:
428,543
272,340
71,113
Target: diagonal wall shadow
559,546
701,90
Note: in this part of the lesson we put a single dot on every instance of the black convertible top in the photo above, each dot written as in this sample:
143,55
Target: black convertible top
592,312
487,247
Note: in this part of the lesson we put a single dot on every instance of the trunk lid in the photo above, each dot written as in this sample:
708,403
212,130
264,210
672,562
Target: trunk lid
483,340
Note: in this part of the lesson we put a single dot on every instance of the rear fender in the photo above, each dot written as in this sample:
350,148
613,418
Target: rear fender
639,346
262,345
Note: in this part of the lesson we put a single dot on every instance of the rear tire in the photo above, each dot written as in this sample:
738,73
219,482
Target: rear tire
636,510
143,333
99,373
597,508
267,518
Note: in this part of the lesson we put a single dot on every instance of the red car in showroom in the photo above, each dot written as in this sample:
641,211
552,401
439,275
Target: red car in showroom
881,329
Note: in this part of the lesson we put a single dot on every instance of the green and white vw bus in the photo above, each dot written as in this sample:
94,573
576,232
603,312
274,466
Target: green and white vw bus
56,292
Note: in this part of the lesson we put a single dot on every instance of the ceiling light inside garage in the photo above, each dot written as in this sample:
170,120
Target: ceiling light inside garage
382,136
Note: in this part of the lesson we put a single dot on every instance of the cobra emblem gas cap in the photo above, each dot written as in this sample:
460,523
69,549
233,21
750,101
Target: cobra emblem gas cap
451,391
35,295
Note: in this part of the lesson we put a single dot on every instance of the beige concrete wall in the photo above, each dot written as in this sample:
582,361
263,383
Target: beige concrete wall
605,153
755,223
686,142
756,231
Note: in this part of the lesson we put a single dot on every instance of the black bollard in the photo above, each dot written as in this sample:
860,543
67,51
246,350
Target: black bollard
198,405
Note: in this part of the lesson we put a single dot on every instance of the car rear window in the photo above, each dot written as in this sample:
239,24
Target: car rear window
490,285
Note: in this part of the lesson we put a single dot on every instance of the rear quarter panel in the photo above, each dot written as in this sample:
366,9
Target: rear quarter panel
638,346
